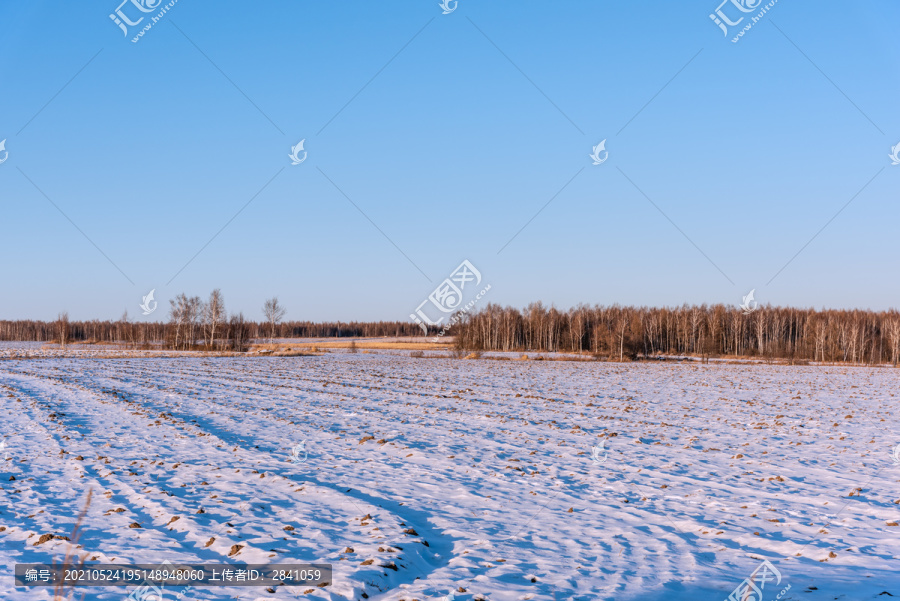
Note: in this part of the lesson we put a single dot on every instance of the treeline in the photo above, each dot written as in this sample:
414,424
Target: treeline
140,333
622,333
196,324
615,333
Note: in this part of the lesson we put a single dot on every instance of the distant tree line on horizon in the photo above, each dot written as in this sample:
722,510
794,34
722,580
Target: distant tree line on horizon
195,324
628,333
612,332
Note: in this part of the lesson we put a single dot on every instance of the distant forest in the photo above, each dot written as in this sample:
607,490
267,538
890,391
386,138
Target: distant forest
148,333
612,333
623,333
195,324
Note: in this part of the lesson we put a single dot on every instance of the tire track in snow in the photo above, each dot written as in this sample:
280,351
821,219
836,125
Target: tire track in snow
420,561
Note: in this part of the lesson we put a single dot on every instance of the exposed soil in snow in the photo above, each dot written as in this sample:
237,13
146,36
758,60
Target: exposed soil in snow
511,480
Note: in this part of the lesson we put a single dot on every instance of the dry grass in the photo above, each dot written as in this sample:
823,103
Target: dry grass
288,349
407,345
61,592
295,353
350,345
282,350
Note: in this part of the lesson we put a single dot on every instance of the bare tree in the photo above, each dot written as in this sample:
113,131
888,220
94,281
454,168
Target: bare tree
127,328
194,310
621,325
62,328
213,315
185,312
274,313
894,337
240,333
820,334
177,316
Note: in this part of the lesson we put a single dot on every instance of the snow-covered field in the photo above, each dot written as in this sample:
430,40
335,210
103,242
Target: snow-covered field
419,477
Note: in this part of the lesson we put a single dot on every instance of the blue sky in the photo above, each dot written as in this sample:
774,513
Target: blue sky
448,133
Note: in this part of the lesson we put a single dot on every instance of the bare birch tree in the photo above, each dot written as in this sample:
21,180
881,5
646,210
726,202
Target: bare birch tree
193,312
176,316
213,315
274,313
127,329
62,328
894,338
185,312
240,333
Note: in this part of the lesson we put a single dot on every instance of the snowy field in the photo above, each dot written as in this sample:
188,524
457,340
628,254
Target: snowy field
418,477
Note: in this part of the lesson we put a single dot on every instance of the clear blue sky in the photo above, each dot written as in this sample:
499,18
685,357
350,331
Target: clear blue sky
459,129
